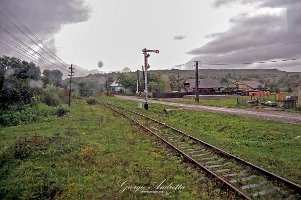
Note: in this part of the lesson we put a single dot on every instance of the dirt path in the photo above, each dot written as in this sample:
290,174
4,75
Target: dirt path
294,118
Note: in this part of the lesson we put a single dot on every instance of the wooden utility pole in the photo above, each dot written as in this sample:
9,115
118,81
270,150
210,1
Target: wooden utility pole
178,80
107,85
70,89
197,98
138,83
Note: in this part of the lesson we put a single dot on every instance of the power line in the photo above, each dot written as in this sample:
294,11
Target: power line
12,43
15,25
12,14
28,47
20,53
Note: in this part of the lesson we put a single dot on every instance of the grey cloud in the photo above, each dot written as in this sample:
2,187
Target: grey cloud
179,37
261,37
218,3
126,69
260,3
44,18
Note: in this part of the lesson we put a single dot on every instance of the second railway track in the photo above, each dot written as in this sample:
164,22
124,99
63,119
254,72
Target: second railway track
245,179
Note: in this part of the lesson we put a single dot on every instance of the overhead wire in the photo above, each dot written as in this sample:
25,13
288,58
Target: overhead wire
12,14
28,47
22,54
12,43
25,34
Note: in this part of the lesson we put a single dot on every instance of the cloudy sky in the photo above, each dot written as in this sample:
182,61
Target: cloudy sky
85,32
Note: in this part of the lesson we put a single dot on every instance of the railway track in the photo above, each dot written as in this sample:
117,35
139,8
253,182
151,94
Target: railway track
241,177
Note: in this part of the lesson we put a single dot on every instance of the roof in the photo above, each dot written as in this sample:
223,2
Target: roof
204,83
115,84
251,84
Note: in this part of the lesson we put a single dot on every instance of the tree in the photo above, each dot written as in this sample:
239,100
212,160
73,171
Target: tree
54,77
156,87
127,82
224,81
86,89
15,78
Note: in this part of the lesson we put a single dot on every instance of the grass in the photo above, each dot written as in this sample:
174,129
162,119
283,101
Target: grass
230,102
88,154
274,146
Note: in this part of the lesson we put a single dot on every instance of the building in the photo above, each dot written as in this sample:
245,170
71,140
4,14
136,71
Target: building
248,85
205,86
116,87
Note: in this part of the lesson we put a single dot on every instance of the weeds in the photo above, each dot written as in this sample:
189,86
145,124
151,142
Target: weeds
61,111
92,101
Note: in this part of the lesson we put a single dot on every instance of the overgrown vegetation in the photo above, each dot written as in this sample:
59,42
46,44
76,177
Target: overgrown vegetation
92,101
87,156
26,96
61,111
271,145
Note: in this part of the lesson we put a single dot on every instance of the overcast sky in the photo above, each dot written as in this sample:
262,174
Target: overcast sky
85,32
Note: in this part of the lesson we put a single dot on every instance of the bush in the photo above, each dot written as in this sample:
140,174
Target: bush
51,95
16,115
44,110
61,111
92,101
14,118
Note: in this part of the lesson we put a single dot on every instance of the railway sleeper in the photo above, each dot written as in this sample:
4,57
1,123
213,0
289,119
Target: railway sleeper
252,186
218,166
244,179
264,192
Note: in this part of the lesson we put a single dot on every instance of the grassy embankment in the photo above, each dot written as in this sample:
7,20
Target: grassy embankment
87,155
273,145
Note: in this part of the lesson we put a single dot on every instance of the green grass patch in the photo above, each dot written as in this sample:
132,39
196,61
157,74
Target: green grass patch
274,146
88,154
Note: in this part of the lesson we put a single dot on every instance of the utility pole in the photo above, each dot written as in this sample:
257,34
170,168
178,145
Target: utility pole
146,66
138,83
197,98
178,80
107,85
71,75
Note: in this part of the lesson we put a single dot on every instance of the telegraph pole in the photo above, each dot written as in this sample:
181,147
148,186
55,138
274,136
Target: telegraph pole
138,83
197,98
107,85
146,66
71,75
178,80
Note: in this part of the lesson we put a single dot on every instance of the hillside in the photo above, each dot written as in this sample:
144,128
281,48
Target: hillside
272,78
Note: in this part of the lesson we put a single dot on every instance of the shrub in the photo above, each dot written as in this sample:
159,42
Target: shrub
52,95
61,111
44,110
92,101
23,148
15,117
88,154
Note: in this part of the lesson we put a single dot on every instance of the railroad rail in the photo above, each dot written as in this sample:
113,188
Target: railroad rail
242,177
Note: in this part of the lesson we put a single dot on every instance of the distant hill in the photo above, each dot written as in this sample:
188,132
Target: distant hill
79,71
269,77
